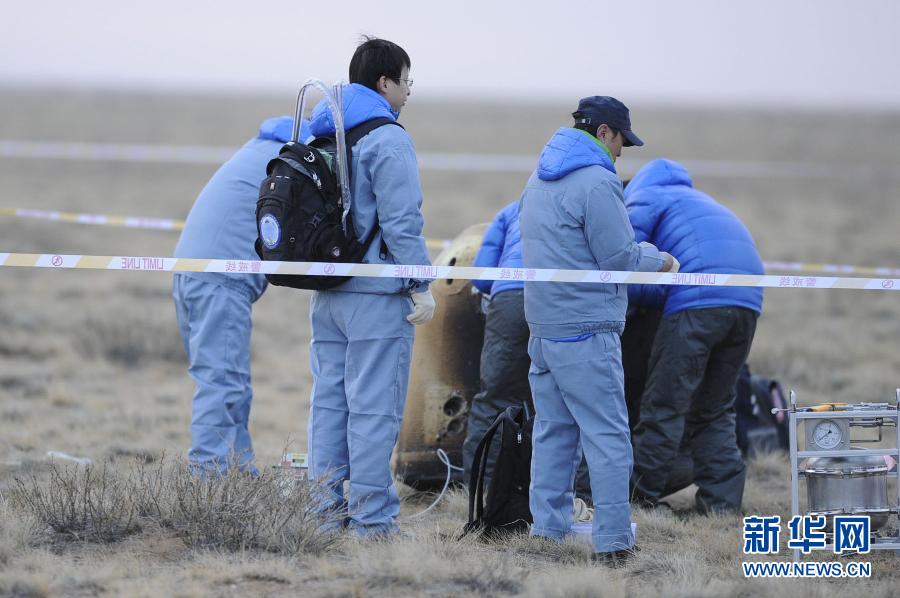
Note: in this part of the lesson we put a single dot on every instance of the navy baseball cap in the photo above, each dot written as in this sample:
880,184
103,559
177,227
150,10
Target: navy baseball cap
598,110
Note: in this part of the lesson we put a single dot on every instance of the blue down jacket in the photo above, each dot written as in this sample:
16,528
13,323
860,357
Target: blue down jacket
705,236
501,248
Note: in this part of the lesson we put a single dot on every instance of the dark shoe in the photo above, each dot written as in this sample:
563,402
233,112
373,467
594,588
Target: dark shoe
639,498
616,558
706,509
651,504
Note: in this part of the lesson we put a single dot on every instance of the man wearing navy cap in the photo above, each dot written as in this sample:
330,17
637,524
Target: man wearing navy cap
596,111
573,217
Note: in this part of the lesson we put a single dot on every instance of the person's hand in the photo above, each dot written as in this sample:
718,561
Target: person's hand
483,300
423,307
672,265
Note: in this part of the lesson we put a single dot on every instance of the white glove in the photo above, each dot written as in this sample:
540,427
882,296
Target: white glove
483,300
423,309
672,263
676,266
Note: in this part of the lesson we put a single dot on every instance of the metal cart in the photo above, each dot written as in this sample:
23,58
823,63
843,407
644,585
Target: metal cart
828,436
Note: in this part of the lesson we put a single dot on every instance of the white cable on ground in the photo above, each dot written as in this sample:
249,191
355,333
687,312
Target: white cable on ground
67,457
445,459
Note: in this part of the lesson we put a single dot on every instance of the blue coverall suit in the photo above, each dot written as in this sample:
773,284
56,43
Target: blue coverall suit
573,216
361,341
213,309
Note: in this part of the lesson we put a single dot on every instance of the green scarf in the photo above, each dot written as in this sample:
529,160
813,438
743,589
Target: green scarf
600,143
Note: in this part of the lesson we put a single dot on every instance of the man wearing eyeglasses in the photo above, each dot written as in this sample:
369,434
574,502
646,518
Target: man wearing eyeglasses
573,216
362,330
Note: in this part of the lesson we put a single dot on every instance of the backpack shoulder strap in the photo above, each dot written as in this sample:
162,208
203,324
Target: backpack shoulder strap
361,130
353,137
479,462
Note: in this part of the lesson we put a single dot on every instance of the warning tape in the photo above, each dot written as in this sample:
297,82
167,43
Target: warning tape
436,244
129,221
830,268
101,219
167,264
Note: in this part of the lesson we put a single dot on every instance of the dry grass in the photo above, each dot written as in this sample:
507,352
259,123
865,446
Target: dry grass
130,340
153,529
239,512
235,512
90,504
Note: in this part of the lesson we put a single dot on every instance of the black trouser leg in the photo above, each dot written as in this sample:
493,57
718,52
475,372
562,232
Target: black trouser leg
687,375
504,373
676,370
637,343
583,482
681,471
719,470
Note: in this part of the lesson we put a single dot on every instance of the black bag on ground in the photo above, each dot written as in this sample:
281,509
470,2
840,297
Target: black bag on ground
299,212
507,507
757,428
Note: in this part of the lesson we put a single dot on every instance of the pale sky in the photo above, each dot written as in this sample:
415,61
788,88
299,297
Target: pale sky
808,53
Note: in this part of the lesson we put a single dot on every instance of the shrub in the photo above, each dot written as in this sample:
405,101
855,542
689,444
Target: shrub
234,511
81,503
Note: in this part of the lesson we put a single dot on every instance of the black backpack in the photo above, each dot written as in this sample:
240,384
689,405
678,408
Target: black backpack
756,427
507,507
299,212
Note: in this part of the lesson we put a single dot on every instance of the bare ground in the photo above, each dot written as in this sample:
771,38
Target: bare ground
91,364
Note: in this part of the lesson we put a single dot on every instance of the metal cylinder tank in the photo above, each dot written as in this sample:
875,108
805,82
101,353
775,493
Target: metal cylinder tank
848,485
444,374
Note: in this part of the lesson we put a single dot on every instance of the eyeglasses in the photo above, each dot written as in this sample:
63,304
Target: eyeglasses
409,82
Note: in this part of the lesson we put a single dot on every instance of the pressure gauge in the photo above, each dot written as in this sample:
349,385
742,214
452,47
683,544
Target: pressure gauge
828,434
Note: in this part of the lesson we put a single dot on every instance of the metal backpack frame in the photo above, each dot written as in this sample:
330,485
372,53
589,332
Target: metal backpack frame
334,98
